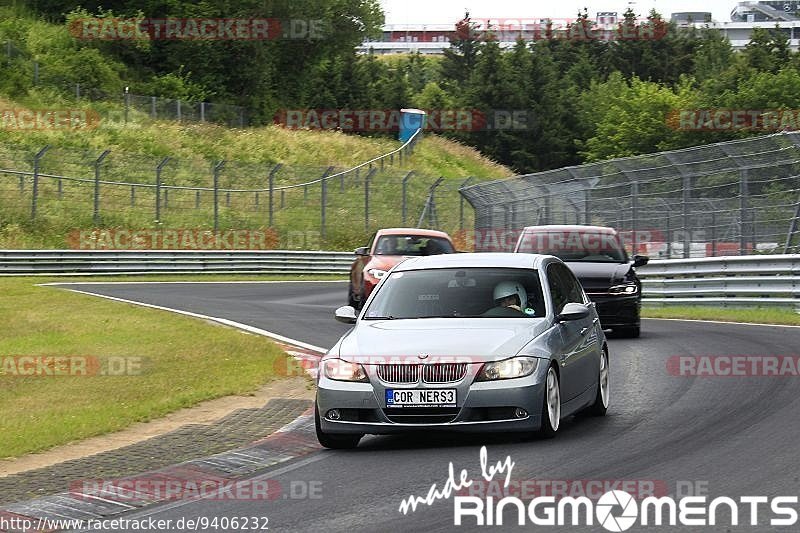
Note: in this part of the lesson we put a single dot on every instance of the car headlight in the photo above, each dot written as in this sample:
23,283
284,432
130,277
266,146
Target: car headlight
516,367
626,289
340,370
376,273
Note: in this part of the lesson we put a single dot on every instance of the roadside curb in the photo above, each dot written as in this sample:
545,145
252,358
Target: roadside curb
293,440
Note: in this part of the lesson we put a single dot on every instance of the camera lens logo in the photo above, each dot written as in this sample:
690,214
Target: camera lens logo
616,499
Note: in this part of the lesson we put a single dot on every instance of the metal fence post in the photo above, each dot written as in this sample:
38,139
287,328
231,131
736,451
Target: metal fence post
127,104
133,195
36,160
159,168
272,191
792,227
634,214
202,111
367,178
97,163
216,170
323,199
153,107
405,200
687,229
461,203
743,193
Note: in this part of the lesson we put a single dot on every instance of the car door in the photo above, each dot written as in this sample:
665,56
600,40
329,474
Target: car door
357,269
575,352
587,357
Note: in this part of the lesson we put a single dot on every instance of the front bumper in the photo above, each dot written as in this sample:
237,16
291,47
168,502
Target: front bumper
486,406
617,311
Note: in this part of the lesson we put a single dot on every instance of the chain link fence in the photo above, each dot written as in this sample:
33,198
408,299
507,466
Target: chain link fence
134,106
308,207
733,198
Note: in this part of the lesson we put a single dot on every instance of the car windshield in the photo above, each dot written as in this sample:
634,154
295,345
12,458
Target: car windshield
412,245
459,292
587,246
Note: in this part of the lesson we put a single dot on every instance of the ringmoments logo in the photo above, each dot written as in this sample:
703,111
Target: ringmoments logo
615,510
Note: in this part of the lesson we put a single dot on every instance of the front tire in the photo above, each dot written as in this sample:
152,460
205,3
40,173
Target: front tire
334,442
551,405
603,397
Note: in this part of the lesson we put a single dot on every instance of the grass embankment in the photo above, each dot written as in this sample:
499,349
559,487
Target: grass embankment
760,315
137,147
183,361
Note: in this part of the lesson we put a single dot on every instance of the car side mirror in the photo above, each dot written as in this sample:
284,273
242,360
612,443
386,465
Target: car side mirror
573,311
363,250
640,260
346,314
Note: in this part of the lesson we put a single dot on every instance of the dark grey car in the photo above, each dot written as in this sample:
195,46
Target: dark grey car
469,342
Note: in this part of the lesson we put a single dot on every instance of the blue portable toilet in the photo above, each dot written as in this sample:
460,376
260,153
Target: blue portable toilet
410,121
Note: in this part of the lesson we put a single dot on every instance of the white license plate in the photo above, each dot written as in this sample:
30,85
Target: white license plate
420,397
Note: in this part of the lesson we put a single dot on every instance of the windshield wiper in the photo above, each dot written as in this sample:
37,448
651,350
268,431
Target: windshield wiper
390,317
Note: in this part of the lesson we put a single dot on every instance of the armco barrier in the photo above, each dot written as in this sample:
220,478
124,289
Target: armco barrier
106,262
753,280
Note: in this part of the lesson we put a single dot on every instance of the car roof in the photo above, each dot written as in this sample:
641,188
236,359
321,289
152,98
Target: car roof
481,259
413,231
574,227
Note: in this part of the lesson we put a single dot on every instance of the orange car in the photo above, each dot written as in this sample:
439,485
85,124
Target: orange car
387,248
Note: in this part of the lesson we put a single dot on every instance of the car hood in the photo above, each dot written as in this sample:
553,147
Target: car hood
386,262
484,339
598,277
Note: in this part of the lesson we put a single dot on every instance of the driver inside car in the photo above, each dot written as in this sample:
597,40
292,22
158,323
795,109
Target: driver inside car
510,299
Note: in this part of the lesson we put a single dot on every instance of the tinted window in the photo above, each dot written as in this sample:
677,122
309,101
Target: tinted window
564,288
559,292
572,285
578,245
412,245
464,292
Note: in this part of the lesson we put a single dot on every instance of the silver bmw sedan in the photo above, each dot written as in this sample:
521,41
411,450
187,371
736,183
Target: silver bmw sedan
465,342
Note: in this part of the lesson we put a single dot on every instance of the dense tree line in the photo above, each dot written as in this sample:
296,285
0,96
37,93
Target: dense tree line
586,99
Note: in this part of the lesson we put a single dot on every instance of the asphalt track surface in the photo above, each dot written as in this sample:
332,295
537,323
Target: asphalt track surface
728,436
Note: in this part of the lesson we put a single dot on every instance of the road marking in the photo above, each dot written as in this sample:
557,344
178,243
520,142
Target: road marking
224,321
56,283
724,322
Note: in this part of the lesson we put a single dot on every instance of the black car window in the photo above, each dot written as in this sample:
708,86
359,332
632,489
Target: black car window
573,286
559,291
579,245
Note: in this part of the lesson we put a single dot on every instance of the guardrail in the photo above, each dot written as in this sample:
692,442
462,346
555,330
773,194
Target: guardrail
138,262
755,280
766,280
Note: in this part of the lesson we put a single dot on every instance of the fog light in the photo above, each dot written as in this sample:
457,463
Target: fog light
521,413
333,414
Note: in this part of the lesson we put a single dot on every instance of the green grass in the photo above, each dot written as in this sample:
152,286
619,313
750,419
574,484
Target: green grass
305,155
185,361
759,315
